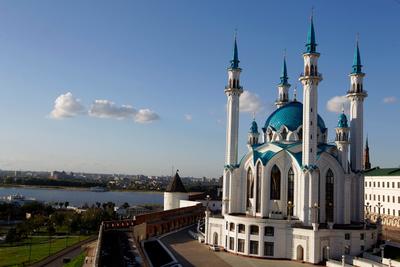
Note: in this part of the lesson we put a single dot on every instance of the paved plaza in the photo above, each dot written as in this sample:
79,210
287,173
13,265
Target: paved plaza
190,252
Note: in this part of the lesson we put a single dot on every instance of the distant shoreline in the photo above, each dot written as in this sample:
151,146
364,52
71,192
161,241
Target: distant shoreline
73,188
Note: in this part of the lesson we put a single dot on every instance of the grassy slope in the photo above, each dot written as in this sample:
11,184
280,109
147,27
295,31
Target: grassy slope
77,261
17,255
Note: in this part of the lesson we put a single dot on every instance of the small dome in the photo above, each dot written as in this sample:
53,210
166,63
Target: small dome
254,127
291,116
342,122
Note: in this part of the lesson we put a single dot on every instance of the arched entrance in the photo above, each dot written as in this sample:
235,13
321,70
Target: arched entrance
215,239
299,253
325,253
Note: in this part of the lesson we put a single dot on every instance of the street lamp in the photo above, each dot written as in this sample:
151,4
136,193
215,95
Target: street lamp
290,207
367,209
207,201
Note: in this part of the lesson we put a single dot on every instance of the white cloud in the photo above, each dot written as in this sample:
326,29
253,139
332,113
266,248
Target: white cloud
337,103
67,106
390,100
108,109
188,117
146,116
250,102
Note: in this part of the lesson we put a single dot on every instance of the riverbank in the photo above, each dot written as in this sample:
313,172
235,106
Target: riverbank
74,188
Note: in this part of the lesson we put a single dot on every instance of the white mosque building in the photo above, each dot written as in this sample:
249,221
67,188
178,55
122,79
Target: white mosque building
293,195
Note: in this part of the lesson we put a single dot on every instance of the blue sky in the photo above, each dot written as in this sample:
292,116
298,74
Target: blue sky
166,61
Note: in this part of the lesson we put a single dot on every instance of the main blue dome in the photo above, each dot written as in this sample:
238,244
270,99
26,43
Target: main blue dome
290,115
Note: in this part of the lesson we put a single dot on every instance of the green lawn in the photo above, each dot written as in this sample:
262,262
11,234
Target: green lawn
77,261
18,255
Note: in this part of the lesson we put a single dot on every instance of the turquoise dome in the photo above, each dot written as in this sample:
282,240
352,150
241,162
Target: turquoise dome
254,127
290,115
342,123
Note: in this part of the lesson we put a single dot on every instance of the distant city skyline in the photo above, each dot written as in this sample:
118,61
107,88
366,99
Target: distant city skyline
137,87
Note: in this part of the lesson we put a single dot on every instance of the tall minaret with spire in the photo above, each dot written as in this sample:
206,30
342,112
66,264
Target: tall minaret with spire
367,162
233,91
356,95
310,80
283,87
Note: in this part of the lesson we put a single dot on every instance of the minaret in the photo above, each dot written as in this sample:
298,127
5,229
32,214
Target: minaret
367,163
342,141
283,87
253,135
310,80
233,91
356,95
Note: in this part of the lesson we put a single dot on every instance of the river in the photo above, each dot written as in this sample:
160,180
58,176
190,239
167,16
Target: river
79,197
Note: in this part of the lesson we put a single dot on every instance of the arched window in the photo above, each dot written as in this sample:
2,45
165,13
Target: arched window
300,134
284,134
250,186
275,183
270,136
307,71
290,192
258,188
329,198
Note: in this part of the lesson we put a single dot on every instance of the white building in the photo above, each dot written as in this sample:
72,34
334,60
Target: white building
293,195
382,195
175,193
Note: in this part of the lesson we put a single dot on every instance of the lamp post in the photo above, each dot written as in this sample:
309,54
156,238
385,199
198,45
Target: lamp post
207,201
290,208
379,206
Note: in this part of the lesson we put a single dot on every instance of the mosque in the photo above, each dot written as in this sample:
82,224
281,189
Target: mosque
294,195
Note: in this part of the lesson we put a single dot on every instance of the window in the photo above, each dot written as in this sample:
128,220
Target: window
254,230
240,245
362,236
269,231
387,184
369,184
275,183
258,188
329,199
398,184
250,187
394,212
366,184
374,210
226,225
284,134
253,247
370,196
231,243
392,184
374,198
388,211
347,236
383,184
379,184
241,228
383,198
393,199
383,210
231,227
268,248
379,197
398,213
366,197
398,199
290,193
374,184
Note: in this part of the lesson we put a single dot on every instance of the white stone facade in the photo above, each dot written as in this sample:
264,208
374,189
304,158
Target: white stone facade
293,195
382,196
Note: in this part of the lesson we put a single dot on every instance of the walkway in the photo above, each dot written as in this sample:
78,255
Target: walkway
190,252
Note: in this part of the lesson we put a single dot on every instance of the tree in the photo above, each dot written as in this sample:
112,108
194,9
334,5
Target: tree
66,204
11,236
125,205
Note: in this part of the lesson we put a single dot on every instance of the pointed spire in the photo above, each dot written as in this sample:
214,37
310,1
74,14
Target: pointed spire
284,77
357,59
366,143
311,45
235,61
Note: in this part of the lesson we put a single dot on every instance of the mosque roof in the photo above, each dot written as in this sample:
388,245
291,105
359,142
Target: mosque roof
383,172
342,122
176,185
291,116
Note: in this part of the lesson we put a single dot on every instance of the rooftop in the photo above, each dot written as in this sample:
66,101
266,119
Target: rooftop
383,172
